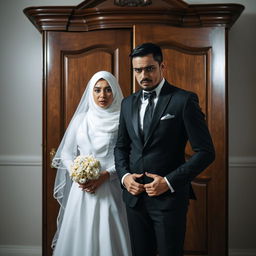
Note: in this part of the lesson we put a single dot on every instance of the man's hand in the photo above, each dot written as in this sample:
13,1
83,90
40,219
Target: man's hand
157,187
132,186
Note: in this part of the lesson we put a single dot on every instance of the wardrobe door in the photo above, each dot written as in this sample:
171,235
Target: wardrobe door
70,60
195,61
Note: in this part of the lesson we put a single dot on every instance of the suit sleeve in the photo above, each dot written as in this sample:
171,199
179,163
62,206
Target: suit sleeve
201,142
122,148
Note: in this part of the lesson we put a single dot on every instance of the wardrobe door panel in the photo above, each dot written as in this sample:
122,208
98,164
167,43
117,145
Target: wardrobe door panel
78,68
70,60
195,61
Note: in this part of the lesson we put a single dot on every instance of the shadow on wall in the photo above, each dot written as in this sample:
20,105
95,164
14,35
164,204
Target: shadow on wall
242,139
242,86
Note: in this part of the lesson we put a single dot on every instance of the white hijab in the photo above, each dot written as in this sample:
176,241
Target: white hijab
97,126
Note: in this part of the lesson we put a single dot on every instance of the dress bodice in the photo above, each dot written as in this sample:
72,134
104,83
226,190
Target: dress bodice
100,145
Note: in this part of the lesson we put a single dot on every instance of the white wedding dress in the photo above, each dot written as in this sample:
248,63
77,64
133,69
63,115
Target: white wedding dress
95,224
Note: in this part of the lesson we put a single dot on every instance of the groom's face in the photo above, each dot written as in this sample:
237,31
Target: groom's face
148,72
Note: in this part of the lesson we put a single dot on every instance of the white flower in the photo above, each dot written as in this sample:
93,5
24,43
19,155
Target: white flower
82,181
85,168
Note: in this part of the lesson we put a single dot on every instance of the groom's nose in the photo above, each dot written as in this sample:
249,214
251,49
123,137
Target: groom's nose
144,73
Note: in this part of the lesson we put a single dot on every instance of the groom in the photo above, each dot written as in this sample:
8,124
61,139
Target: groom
155,125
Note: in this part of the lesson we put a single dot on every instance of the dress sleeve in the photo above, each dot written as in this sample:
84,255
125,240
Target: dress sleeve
67,155
69,150
112,172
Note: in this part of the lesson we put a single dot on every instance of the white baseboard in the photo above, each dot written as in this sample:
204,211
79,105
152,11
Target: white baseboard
19,250
241,252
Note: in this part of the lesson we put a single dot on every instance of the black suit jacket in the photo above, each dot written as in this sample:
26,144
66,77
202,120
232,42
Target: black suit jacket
177,118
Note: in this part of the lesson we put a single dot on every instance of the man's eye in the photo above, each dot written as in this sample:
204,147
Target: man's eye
149,69
138,70
96,90
146,69
108,90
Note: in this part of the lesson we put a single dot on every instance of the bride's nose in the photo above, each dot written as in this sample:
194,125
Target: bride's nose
102,94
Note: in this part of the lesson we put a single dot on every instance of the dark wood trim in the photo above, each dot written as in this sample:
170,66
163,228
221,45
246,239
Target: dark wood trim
45,152
89,4
81,18
182,23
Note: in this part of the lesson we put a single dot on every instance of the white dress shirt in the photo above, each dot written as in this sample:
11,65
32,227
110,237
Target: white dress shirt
144,102
143,107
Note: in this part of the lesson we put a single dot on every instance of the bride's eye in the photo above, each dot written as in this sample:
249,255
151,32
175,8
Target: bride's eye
97,90
109,90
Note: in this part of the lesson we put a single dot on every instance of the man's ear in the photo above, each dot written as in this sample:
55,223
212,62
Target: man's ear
163,66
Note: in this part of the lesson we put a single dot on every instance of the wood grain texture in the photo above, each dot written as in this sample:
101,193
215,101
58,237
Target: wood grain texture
99,35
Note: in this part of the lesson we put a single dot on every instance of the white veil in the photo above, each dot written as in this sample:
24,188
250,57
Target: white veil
93,120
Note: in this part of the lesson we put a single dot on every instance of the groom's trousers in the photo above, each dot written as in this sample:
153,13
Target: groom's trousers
155,231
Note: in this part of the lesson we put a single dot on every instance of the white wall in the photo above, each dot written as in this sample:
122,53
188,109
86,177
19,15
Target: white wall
242,123
21,129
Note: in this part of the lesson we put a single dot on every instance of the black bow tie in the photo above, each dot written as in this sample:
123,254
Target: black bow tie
149,95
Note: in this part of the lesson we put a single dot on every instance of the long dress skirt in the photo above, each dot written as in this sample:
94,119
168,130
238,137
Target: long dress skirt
94,224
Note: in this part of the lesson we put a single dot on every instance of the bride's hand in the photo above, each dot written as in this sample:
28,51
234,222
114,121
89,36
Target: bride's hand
92,185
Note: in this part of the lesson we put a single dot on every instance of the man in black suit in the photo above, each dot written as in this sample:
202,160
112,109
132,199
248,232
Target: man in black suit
155,125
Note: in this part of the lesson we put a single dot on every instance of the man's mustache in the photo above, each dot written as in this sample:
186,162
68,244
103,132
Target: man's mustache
145,80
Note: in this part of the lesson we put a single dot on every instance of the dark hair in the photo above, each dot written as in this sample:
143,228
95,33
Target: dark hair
146,49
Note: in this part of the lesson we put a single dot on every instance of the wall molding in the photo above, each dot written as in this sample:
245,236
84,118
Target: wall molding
242,252
242,161
19,160
19,250
33,160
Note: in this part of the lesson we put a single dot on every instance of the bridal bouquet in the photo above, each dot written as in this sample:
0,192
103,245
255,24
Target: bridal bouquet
85,168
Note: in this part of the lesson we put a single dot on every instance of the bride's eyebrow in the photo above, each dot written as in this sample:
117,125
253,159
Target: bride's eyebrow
99,87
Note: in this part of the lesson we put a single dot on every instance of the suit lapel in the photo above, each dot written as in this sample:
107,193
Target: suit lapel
135,113
163,100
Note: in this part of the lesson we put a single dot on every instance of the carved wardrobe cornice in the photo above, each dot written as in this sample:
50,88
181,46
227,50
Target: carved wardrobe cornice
103,14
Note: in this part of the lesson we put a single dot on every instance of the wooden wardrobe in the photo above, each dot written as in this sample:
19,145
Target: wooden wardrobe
99,35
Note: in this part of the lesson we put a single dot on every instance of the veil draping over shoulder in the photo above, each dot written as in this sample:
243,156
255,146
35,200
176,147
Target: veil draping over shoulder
95,122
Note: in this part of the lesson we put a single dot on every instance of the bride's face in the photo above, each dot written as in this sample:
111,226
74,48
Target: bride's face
102,94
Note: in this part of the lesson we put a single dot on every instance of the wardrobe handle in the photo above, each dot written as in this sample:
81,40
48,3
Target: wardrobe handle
52,154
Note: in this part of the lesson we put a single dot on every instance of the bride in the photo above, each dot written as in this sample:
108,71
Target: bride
92,218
